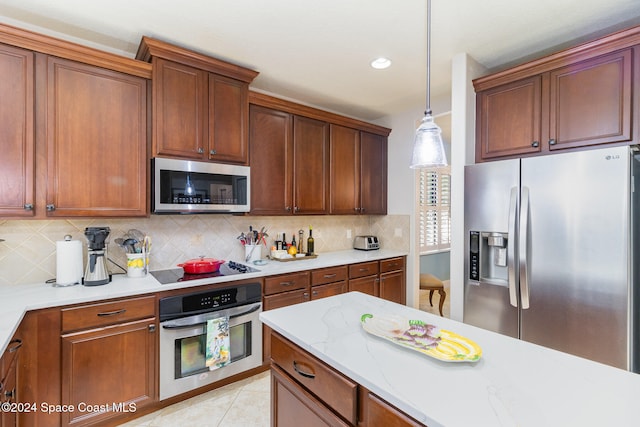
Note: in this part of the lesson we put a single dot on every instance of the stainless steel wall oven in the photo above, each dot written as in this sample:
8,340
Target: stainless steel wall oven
184,320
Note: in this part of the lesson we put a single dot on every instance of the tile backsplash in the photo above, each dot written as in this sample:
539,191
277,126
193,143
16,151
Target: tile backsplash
28,253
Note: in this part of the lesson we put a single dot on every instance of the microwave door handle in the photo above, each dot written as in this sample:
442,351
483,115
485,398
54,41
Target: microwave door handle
524,248
511,247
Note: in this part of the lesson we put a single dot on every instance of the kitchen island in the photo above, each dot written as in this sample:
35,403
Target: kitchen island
514,383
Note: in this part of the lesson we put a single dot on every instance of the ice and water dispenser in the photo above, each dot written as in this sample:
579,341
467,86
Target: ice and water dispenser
488,257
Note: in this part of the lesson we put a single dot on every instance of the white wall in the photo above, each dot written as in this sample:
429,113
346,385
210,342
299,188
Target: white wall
464,69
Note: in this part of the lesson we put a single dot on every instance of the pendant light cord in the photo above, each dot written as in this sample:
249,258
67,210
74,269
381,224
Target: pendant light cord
428,110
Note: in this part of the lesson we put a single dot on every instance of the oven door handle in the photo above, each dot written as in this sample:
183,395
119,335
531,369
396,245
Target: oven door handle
202,318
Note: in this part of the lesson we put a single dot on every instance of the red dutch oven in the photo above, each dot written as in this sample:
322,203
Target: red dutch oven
201,265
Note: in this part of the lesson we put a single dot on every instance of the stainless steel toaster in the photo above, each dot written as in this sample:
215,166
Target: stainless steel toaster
366,243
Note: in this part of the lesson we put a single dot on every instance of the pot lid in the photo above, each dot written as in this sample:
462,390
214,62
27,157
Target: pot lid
202,261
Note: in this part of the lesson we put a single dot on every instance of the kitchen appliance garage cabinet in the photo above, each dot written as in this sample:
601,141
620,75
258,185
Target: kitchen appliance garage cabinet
200,104
575,98
108,358
75,129
308,161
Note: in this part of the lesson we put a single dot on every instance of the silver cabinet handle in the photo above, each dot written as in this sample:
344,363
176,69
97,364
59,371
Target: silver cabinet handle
213,152
523,252
51,207
330,276
28,207
511,247
552,142
200,150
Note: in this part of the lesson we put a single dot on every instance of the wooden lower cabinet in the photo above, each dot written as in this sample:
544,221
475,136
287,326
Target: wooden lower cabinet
392,280
9,383
306,391
109,367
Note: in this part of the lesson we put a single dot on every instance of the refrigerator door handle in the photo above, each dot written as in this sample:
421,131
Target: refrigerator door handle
523,248
511,247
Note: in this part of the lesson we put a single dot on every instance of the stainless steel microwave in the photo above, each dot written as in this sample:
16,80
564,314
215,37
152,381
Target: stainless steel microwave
187,186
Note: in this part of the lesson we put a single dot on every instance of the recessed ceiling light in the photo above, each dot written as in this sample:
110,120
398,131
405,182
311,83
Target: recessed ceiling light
381,63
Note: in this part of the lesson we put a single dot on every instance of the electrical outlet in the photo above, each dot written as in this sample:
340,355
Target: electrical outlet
348,234
397,232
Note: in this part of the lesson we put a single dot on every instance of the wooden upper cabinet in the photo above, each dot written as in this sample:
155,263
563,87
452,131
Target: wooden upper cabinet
358,172
228,120
200,104
17,137
179,110
271,147
96,140
344,170
591,102
509,119
311,166
373,174
575,98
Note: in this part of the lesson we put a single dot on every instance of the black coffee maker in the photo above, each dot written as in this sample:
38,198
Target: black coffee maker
96,272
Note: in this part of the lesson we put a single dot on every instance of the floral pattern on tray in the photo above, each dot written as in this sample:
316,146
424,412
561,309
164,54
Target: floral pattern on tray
422,337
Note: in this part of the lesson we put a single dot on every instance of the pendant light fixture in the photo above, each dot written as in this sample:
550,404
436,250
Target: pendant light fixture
428,149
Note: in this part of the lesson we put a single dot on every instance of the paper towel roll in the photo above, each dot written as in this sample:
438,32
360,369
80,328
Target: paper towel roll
68,262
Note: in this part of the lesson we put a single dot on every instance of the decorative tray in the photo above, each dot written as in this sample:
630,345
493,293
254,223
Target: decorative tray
294,258
422,337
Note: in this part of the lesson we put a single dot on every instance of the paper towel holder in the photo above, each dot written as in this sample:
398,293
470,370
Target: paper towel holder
67,238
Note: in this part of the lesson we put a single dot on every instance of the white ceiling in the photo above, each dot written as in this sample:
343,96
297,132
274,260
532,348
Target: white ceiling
318,52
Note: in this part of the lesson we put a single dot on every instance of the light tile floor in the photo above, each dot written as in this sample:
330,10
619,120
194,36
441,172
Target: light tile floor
244,403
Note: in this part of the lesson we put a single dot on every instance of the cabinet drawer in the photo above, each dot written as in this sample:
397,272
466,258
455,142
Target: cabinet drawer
286,282
107,313
337,391
363,269
328,290
328,275
391,264
285,299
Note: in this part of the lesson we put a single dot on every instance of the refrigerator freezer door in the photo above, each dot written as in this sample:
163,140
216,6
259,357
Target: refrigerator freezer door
488,190
577,244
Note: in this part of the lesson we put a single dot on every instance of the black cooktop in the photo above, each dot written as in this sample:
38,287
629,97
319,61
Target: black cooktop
176,275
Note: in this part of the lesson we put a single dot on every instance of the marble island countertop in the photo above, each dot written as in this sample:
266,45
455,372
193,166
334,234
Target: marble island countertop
16,300
515,383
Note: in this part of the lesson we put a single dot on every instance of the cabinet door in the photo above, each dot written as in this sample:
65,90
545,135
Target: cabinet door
392,287
228,120
290,404
271,160
367,285
8,383
96,137
590,102
107,366
344,170
373,174
311,166
509,119
271,302
16,132
179,110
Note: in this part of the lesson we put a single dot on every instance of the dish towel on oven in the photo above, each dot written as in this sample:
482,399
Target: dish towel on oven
218,352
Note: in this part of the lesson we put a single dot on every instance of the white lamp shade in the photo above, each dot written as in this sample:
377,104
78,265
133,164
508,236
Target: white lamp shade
428,149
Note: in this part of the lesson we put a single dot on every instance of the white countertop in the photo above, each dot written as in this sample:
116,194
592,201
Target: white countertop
16,300
515,383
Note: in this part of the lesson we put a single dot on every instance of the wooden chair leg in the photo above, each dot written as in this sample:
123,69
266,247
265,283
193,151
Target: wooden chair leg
443,295
431,297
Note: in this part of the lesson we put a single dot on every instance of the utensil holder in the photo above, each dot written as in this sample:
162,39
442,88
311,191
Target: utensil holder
252,253
137,264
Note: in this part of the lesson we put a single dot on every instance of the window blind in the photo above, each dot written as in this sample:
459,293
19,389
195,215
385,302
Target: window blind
434,210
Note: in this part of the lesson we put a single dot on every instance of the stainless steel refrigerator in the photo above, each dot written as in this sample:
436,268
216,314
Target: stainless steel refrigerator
549,251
